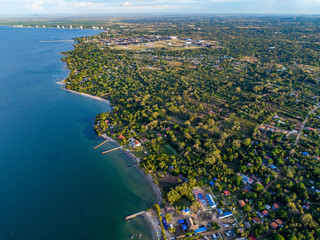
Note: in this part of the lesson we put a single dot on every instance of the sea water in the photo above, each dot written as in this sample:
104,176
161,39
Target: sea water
53,185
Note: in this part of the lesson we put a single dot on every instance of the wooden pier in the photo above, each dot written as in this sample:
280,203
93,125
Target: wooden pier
101,144
111,150
134,215
56,41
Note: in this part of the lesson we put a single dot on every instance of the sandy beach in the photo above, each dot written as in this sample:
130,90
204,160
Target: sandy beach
62,83
153,224
88,95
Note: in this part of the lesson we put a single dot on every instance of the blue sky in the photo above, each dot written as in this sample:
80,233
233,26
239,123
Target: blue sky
159,6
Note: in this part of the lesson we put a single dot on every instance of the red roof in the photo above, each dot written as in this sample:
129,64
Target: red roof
136,141
242,203
274,225
265,212
279,222
252,237
256,220
226,192
121,137
276,206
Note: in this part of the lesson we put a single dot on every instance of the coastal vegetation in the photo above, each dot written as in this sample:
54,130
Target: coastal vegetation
225,103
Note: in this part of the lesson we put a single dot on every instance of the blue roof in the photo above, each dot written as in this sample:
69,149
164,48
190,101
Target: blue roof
227,213
211,183
181,221
203,229
215,179
305,153
184,227
200,195
220,211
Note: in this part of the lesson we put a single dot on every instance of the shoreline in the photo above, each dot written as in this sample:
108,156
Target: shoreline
152,224
155,187
148,177
62,83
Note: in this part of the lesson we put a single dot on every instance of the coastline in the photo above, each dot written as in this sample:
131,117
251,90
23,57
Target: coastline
148,177
155,187
88,95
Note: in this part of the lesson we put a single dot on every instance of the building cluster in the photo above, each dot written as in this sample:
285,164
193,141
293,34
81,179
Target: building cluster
134,40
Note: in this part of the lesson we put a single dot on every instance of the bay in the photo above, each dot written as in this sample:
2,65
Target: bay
53,185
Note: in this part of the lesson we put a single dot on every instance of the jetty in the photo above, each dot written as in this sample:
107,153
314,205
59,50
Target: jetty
111,150
134,215
56,41
101,144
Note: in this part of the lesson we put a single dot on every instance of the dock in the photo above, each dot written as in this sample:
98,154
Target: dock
101,144
134,215
56,41
111,150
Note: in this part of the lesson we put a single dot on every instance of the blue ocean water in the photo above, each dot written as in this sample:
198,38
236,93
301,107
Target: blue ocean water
53,185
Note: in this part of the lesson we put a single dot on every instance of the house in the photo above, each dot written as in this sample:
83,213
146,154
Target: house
247,188
250,181
190,224
306,205
279,222
216,236
137,143
185,211
225,215
247,225
241,203
310,129
252,237
200,230
265,213
183,224
211,201
274,225
275,207
121,137
256,220
169,209
268,207
305,154
226,192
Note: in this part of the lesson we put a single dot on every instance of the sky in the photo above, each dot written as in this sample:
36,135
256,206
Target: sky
22,7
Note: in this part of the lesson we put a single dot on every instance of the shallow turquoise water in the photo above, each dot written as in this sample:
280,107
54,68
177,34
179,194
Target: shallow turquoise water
53,185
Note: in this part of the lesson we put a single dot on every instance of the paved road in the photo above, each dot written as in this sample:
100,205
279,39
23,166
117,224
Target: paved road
303,123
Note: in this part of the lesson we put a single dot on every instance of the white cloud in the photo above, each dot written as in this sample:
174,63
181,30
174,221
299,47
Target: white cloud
84,4
150,6
36,6
126,4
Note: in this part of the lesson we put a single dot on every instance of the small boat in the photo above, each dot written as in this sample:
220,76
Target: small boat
131,237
